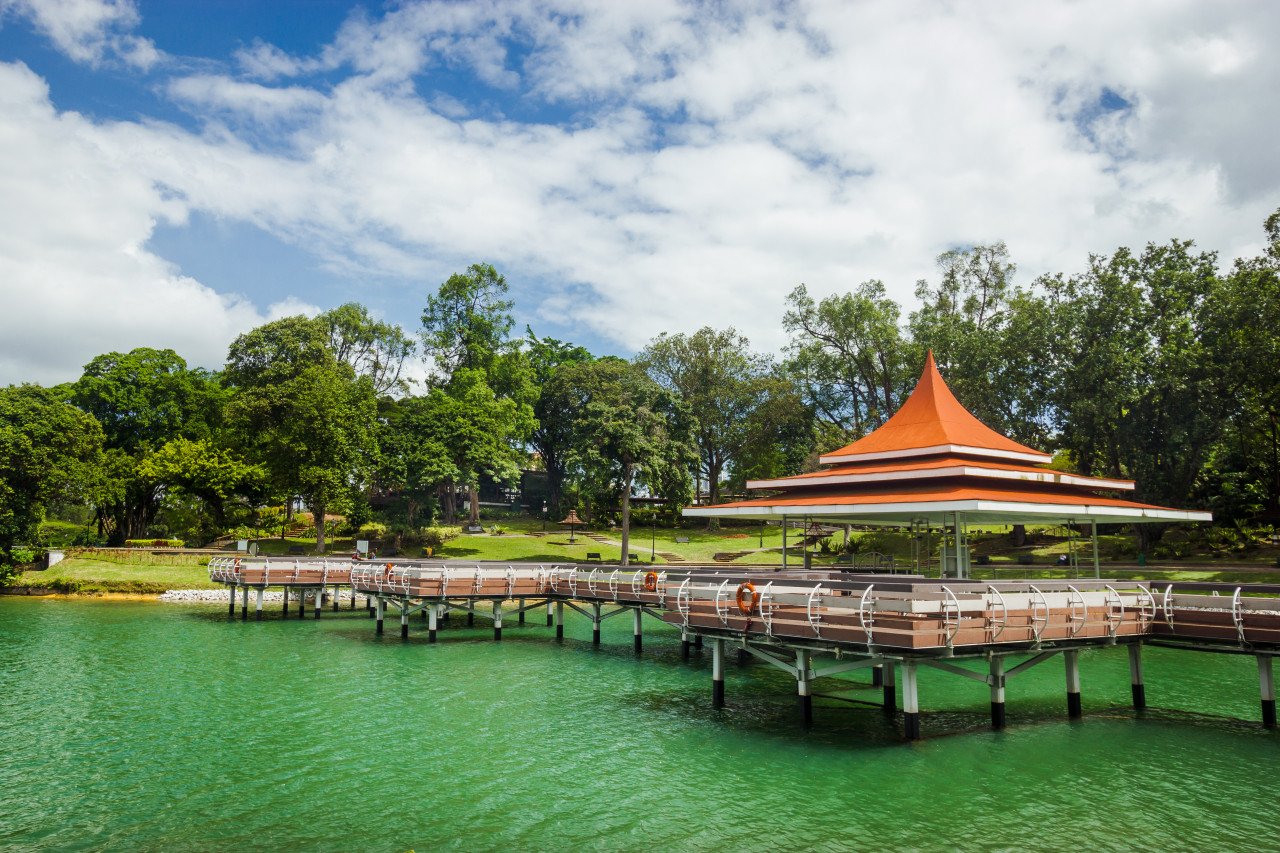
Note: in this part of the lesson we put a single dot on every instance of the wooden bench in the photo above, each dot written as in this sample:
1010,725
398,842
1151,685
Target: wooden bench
682,540
593,556
296,550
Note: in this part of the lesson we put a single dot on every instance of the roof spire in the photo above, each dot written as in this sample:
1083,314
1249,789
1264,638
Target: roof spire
932,421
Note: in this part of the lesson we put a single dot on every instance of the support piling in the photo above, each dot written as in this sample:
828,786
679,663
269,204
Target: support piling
910,701
717,673
1071,658
1267,688
997,691
1136,683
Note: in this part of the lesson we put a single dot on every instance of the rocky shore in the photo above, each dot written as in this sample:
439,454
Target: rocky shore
219,596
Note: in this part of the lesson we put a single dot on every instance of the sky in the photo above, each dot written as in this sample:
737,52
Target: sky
175,173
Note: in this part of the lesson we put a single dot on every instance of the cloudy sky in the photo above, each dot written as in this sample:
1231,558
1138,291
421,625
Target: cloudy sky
173,173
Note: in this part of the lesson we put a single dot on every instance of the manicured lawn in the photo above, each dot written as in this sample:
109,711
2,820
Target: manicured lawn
144,573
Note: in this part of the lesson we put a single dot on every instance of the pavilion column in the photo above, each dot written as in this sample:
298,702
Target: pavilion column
784,543
1093,535
877,675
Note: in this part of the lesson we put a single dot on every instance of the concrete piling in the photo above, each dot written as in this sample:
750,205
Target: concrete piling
1071,658
1136,682
997,691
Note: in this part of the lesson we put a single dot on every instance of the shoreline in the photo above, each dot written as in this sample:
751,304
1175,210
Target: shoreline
171,596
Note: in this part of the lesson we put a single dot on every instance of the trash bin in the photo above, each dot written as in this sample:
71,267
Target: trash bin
1142,559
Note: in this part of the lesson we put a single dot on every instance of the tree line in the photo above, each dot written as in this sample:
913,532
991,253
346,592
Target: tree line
1158,365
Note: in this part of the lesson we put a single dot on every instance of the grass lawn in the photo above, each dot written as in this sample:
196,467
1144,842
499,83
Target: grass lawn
143,573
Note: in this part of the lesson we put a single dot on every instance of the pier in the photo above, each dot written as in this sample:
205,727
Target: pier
817,624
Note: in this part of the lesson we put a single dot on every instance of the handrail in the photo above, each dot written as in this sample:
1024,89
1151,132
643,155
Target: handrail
1115,611
1168,608
591,582
1038,625
1084,610
1237,616
950,601
866,616
722,612
814,617
682,601
662,588
613,584
766,606
1145,617
994,631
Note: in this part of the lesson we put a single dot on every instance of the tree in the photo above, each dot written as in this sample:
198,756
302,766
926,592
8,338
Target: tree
372,348
629,428
464,331
718,377
302,414
553,436
49,451
142,399
201,469
850,358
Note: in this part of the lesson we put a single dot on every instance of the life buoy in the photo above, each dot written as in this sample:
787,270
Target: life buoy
388,570
651,582
748,598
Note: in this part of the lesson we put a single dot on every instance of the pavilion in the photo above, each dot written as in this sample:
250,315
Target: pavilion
934,468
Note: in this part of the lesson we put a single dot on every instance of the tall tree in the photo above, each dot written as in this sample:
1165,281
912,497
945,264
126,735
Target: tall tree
629,428
372,348
49,451
849,356
718,377
143,399
553,436
303,414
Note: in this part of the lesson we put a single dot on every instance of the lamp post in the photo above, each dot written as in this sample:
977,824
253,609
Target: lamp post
653,537
544,516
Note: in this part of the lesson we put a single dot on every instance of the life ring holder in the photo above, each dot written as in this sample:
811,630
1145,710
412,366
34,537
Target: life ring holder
747,597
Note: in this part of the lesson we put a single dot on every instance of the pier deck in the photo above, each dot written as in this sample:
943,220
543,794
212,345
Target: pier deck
892,624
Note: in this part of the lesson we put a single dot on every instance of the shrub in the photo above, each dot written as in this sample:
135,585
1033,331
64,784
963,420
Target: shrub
154,543
372,530
435,537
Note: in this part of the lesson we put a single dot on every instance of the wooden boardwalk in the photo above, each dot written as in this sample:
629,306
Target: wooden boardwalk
889,624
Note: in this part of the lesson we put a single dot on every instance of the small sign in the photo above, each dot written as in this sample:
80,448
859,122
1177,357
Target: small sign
362,546
242,544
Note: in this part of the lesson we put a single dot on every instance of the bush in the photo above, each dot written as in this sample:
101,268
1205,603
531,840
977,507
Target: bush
435,537
372,530
154,543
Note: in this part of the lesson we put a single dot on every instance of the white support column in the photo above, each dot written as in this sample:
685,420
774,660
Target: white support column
997,691
684,644
559,620
595,624
319,602
910,701
520,608
404,621
889,688
804,686
257,610
551,619
497,620
1093,534
244,606
1072,659
433,617
1136,682
1267,689
231,606
379,610
717,673
636,629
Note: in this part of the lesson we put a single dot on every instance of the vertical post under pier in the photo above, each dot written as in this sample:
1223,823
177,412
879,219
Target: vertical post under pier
404,620
231,606
379,609
433,614
910,701
257,610
636,629
717,673
244,606
471,615
804,687
997,691
889,688
559,620
1136,682
302,604
595,624
520,607
497,620
551,619
877,676
335,598
285,609
684,645
697,641
1267,688
1071,657
319,602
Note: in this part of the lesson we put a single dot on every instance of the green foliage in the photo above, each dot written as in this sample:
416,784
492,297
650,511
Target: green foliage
49,452
372,348
552,438
466,321
436,537
154,543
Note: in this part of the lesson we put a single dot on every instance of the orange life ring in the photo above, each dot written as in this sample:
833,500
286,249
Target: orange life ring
651,582
388,570
748,598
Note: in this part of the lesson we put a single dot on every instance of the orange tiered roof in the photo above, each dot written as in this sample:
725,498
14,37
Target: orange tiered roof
933,459
933,421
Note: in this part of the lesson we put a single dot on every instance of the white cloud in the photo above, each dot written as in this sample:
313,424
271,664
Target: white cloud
714,157
89,31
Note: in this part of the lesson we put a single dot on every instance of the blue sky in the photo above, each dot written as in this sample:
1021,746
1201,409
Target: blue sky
177,172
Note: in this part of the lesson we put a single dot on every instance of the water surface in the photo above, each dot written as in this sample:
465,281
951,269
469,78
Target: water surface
144,726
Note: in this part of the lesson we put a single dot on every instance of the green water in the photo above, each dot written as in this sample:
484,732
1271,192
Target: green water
141,726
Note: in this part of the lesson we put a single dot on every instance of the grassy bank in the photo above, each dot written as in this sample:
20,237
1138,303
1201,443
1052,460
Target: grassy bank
96,572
